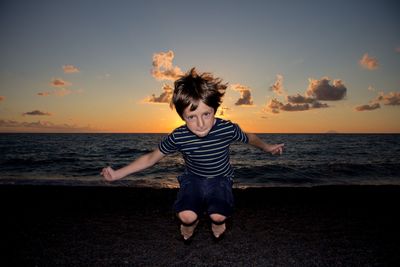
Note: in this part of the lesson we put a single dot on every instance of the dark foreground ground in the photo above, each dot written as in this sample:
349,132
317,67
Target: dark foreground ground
109,226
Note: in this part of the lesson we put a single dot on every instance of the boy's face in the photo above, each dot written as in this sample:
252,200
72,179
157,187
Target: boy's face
201,120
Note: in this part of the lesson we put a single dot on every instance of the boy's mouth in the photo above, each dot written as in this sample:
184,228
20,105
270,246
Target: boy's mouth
202,132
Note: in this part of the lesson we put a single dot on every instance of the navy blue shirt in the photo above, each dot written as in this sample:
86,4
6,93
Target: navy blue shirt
206,156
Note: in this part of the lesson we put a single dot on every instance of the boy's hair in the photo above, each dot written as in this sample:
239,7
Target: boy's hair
192,88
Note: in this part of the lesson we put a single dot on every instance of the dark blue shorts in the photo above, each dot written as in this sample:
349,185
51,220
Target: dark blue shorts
200,195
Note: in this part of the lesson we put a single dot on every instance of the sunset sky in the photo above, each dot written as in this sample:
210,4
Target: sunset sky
109,66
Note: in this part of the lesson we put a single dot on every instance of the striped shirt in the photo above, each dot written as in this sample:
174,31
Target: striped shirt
206,156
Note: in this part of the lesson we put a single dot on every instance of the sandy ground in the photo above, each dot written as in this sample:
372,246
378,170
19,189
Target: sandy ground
119,226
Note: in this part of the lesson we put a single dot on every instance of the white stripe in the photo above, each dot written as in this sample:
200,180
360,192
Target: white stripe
225,158
213,174
208,159
199,142
206,168
220,129
213,144
214,149
225,133
207,155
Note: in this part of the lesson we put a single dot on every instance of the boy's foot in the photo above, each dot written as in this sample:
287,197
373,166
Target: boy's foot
187,230
218,230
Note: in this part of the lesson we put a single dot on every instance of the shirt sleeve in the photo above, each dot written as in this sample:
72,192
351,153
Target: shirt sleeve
239,135
168,144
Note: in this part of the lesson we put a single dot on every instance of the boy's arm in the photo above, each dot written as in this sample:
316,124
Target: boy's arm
143,162
255,141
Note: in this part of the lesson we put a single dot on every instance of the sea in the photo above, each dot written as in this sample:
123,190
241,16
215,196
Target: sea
308,160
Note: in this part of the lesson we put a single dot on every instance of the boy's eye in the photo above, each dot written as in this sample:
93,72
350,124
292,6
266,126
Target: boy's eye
207,114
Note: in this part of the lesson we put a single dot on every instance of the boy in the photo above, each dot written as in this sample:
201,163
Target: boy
206,184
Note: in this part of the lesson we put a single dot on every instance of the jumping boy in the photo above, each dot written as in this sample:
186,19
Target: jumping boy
206,184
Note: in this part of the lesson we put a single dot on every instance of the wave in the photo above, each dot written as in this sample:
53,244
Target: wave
307,160
339,173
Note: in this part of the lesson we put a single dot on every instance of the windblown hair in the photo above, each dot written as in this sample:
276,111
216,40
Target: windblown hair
192,88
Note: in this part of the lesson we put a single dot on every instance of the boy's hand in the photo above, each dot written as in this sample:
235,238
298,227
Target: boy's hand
109,174
275,149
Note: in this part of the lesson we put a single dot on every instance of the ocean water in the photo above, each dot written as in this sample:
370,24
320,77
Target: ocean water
308,160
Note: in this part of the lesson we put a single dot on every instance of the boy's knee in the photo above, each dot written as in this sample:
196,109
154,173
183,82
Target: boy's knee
187,216
218,218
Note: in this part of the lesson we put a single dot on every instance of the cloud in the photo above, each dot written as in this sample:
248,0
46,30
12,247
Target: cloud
163,68
294,107
368,62
397,49
44,93
368,107
316,104
277,86
245,95
222,110
37,113
275,106
70,69
59,83
43,125
104,76
391,99
165,96
322,90
2,98
299,99
60,92
317,90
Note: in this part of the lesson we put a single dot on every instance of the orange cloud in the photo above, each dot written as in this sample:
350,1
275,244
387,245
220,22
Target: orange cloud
245,95
70,69
222,110
59,83
368,107
37,113
313,102
299,99
165,96
275,106
60,92
44,125
391,99
368,62
163,68
316,91
2,98
277,86
323,90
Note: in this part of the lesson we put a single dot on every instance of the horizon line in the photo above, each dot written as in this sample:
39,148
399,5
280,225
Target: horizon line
328,132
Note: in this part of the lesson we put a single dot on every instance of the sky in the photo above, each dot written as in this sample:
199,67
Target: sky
109,66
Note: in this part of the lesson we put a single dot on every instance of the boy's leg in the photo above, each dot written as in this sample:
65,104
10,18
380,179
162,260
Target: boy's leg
218,226
189,221
187,217
220,203
188,204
